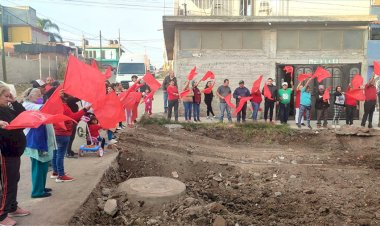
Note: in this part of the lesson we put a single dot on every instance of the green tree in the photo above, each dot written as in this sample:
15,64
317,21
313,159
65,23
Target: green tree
51,28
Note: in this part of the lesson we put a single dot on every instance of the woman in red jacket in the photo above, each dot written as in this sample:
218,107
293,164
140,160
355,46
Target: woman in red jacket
63,138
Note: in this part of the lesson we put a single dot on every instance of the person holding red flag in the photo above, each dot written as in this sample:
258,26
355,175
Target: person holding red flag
370,102
322,107
209,96
197,99
297,104
351,105
305,103
12,146
187,100
339,100
256,101
173,97
165,84
63,139
284,95
239,93
223,91
269,101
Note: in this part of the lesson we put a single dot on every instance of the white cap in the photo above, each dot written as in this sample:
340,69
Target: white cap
284,83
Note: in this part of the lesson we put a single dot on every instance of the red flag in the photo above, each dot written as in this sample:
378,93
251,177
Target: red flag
108,73
209,89
208,75
54,104
109,111
94,64
151,81
303,77
357,94
256,84
130,101
192,74
326,94
83,81
376,66
357,81
321,74
184,93
289,69
267,93
149,96
242,101
228,101
34,119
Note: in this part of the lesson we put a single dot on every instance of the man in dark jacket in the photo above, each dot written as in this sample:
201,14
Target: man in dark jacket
240,92
72,103
322,107
165,84
269,104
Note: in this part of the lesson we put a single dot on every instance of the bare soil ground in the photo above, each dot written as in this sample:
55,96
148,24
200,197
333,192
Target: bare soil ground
235,177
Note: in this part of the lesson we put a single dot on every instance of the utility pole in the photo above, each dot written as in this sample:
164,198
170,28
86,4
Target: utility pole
185,7
100,35
83,46
2,46
119,45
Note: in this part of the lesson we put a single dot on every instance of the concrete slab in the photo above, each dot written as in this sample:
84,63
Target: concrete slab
152,190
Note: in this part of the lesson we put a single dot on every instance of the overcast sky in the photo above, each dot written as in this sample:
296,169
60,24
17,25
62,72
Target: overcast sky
137,20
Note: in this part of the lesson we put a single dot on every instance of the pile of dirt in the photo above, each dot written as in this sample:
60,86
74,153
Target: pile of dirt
294,179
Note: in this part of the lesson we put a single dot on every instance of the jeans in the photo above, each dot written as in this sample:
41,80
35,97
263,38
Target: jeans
241,115
188,107
297,116
109,135
165,100
224,107
284,112
59,155
269,106
173,104
322,114
350,110
304,109
255,110
369,108
196,110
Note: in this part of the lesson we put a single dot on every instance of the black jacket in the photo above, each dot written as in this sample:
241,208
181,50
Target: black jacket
319,103
12,142
209,97
274,91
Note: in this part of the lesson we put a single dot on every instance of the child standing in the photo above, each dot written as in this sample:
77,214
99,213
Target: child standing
148,99
94,127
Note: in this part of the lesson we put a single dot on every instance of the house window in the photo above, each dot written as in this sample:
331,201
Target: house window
94,54
89,53
190,39
232,39
252,40
353,39
331,39
309,40
375,33
287,40
103,55
354,71
211,39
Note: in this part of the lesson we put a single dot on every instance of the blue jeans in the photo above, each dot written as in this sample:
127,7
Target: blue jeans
165,100
188,106
196,110
59,155
224,107
304,109
109,135
255,108
284,112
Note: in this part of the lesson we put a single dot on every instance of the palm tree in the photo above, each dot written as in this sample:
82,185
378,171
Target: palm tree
51,28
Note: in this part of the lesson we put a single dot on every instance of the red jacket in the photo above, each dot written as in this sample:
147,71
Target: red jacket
298,98
69,124
171,90
94,129
370,92
256,97
349,100
197,98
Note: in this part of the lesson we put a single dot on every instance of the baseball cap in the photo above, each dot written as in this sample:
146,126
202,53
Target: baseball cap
241,82
284,83
38,83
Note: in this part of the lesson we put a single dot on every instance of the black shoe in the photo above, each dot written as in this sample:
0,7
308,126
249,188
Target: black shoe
369,126
198,120
309,127
72,156
48,190
299,126
45,195
303,124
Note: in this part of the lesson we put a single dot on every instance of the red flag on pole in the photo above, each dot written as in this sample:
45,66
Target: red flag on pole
209,89
54,104
357,81
256,84
376,68
289,69
184,93
208,75
242,101
94,64
34,119
130,100
108,73
303,77
109,111
151,81
326,94
228,101
321,74
192,73
267,93
357,94
83,81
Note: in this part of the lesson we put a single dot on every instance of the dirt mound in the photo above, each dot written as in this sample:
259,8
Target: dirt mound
235,178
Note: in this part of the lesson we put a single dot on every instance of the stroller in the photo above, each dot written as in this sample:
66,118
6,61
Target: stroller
92,144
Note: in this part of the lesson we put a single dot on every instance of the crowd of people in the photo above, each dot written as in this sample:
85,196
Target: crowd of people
277,101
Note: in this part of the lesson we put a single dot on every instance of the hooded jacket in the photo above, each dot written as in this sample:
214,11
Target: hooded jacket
273,90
